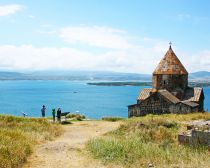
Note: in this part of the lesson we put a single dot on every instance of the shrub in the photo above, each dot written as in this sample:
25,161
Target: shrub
78,117
113,119
65,122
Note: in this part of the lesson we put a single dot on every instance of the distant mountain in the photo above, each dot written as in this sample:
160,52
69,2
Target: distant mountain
92,76
200,75
12,76
89,75
109,76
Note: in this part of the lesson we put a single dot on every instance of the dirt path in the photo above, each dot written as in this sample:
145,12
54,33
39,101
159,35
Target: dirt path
65,152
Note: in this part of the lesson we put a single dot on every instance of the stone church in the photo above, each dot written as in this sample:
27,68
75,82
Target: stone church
170,92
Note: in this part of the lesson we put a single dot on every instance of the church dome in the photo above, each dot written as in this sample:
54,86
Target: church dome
170,64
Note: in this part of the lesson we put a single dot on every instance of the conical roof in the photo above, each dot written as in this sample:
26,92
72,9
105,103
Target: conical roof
170,64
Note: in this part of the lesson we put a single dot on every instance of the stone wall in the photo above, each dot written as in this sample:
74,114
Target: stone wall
155,104
195,137
172,83
201,103
181,108
135,110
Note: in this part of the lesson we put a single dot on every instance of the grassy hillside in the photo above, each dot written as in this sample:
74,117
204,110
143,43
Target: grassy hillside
150,140
18,135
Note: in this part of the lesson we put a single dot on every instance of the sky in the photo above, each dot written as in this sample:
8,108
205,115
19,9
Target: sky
103,35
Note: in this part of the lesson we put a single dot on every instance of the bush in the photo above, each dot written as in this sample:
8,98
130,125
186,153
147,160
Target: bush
78,117
65,122
113,119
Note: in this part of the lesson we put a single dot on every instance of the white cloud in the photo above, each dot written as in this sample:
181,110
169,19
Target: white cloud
118,53
194,19
96,36
29,57
48,29
141,59
6,10
48,32
31,16
184,16
199,61
46,26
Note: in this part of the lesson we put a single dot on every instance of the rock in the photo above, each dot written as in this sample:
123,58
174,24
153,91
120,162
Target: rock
150,165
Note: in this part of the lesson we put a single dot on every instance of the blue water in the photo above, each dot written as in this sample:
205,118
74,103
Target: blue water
92,101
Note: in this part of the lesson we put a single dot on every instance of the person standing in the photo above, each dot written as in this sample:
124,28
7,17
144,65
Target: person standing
43,110
53,114
59,115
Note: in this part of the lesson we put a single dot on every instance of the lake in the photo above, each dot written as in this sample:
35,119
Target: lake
93,101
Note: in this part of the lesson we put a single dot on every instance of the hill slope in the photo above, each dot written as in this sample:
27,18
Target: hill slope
19,135
150,141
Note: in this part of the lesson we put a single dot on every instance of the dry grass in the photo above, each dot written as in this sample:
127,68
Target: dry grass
18,135
77,117
152,139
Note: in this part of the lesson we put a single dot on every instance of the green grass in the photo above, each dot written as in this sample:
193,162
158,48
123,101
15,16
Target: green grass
150,139
18,136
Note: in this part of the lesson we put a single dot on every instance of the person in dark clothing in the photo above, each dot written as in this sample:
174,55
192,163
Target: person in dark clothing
43,110
59,115
53,114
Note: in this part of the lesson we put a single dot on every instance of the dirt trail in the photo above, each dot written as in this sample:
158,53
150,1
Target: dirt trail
65,151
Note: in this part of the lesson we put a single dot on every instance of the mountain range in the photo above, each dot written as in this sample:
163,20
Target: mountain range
91,76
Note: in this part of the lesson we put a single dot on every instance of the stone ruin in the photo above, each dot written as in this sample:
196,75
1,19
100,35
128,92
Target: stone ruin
198,133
